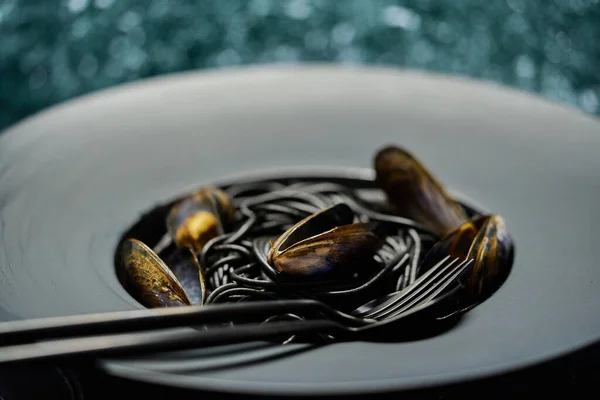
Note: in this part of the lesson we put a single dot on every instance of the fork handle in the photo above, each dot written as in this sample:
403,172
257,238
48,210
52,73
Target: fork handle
144,342
29,330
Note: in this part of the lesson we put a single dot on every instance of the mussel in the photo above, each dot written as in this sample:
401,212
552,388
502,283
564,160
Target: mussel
415,192
200,217
323,242
184,263
485,240
152,281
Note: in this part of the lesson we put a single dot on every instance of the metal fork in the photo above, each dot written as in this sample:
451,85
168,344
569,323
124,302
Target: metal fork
417,318
421,307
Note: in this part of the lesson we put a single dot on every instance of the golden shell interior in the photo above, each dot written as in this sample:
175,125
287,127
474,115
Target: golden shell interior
198,218
155,283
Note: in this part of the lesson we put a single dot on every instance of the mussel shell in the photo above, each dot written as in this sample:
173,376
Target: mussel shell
415,193
184,264
323,242
224,206
485,240
493,252
200,217
153,283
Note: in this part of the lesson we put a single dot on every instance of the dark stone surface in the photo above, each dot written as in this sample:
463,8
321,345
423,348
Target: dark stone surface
55,50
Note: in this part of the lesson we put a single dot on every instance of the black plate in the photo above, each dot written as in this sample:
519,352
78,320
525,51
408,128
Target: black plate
73,178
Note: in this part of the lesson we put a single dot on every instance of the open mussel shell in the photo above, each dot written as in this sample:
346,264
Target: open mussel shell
323,242
415,193
153,283
200,217
485,240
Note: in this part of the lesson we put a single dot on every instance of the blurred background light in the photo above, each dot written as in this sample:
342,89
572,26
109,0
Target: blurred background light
52,50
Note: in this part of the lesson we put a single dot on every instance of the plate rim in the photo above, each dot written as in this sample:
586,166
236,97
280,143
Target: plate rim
305,67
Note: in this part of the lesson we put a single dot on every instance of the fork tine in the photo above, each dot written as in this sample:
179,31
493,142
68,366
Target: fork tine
418,285
460,270
424,289
436,289
423,281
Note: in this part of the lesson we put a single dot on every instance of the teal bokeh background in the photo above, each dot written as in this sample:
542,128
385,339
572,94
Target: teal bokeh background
51,51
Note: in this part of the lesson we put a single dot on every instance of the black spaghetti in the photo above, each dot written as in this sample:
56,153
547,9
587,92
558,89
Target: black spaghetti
235,263
292,238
